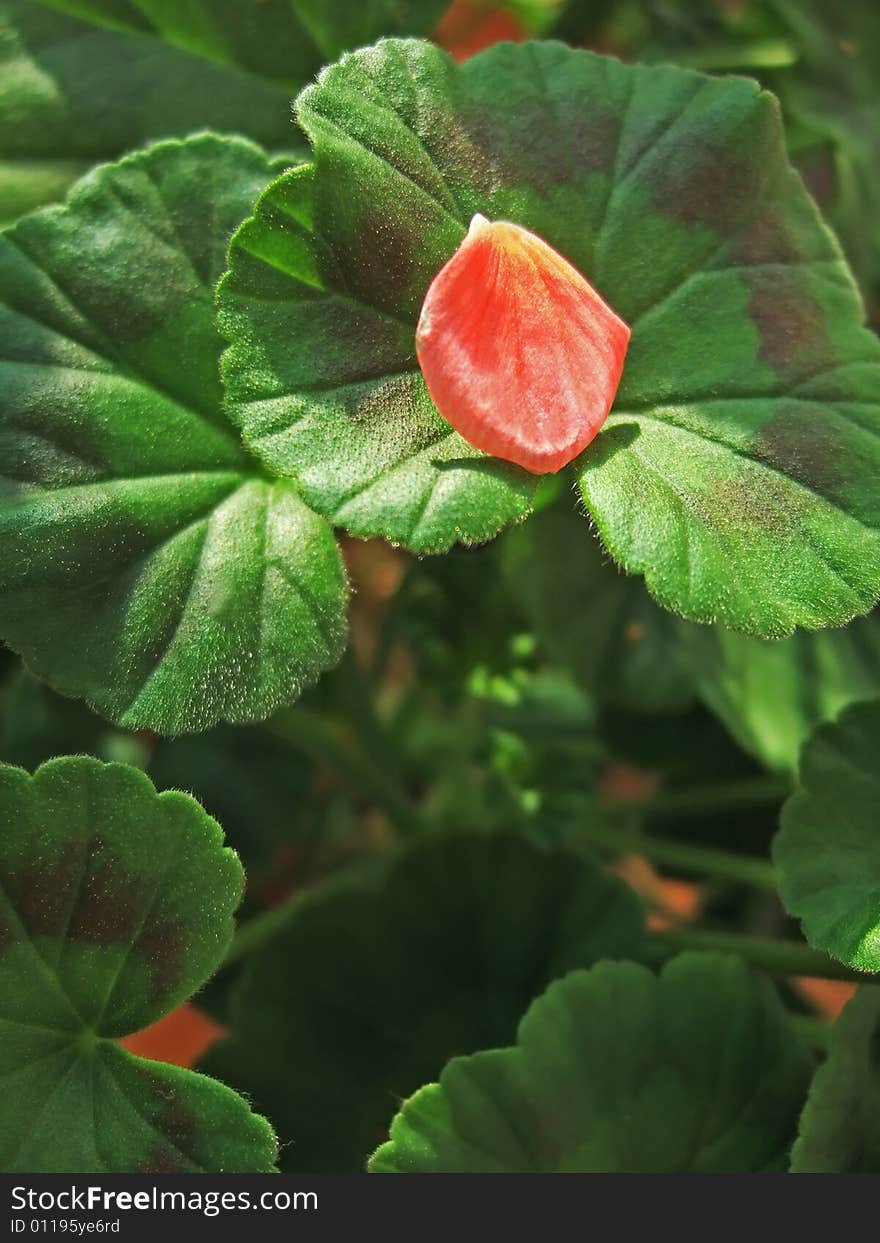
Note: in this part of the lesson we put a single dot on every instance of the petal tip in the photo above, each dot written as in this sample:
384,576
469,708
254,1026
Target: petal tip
478,223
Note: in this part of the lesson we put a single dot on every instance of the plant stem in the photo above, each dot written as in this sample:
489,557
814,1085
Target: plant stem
318,738
778,957
748,792
741,868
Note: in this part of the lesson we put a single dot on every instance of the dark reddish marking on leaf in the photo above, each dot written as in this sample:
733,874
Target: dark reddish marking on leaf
818,170
791,324
379,262
7,936
766,240
171,1119
481,150
40,892
749,501
711,189
162,1161
800,442
109,906
177,1122
163,946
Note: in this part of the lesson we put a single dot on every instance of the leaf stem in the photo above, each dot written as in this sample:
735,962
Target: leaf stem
740,868
782,958
721,796
325,742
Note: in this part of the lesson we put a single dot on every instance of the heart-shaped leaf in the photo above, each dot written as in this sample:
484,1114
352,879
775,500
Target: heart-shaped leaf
368,990
616,1070
736,471
115,903
840,1125
146,564
827,849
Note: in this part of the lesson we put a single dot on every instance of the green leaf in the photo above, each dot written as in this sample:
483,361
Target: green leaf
145,563
115,903
616,1070
736,471
820,59
835,144
600,624
827,849
369,989
72,96
772,695
284,40
840,1125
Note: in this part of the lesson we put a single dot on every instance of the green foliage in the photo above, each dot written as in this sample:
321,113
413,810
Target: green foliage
85,82
594,620
603,626
369,988
736,469
617,1070
827,850
115,903
146,563
771,695
72,96
839,1129
283,40
820,59
167,561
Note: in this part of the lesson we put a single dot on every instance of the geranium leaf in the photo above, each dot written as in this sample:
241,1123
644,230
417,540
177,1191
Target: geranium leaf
145,563
616,1070
72,95
115,903
369,989
840,1125
771,695
827,849
736,470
